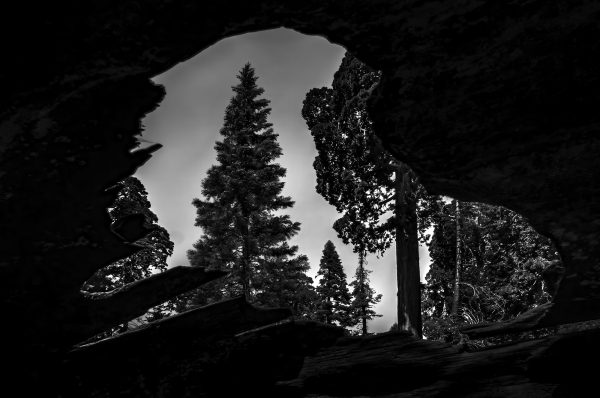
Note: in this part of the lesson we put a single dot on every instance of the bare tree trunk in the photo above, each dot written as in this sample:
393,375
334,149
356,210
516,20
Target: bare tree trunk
456,297
407,255
363,308
329,313
413,272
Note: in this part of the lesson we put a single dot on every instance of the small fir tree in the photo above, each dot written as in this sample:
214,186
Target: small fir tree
363,296
333,295
286,285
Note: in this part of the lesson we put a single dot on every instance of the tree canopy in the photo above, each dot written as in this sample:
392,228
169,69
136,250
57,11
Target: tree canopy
379,197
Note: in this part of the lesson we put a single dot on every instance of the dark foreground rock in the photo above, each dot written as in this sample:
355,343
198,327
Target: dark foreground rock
308,359
177,359
396,365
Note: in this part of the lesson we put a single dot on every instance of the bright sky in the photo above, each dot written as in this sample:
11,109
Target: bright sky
187,123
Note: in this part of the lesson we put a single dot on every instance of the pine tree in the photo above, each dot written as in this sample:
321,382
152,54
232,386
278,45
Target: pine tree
363,296
333,295
286,284
243,231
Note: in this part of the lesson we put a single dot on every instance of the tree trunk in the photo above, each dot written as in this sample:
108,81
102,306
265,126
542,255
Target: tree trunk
456,297
329,313
407,255
245,263
363,308
413,271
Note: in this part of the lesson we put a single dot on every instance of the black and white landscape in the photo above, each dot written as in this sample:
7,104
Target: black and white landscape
300,199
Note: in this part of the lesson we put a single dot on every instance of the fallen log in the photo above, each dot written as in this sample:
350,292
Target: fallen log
100,311
530,320
381,364
215,350
261,357
215,321
542,316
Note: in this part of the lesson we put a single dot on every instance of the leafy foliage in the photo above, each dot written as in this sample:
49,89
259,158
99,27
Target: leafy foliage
157,246
354,173
132,199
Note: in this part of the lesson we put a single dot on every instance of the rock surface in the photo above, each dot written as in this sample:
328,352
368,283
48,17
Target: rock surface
308,359
393,365
210,351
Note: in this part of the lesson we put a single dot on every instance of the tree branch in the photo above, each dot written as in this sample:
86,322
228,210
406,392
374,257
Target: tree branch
388,199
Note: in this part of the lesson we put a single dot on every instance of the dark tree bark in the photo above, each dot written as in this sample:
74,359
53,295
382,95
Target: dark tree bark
456,295
245,268
361,264
407,256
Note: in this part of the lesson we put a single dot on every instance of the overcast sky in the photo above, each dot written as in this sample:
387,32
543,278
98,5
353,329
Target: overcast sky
187,123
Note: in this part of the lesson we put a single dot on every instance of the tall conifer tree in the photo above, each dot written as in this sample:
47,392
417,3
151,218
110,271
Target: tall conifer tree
243,232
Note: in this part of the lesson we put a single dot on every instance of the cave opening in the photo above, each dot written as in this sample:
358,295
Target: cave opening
289,64
488,101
